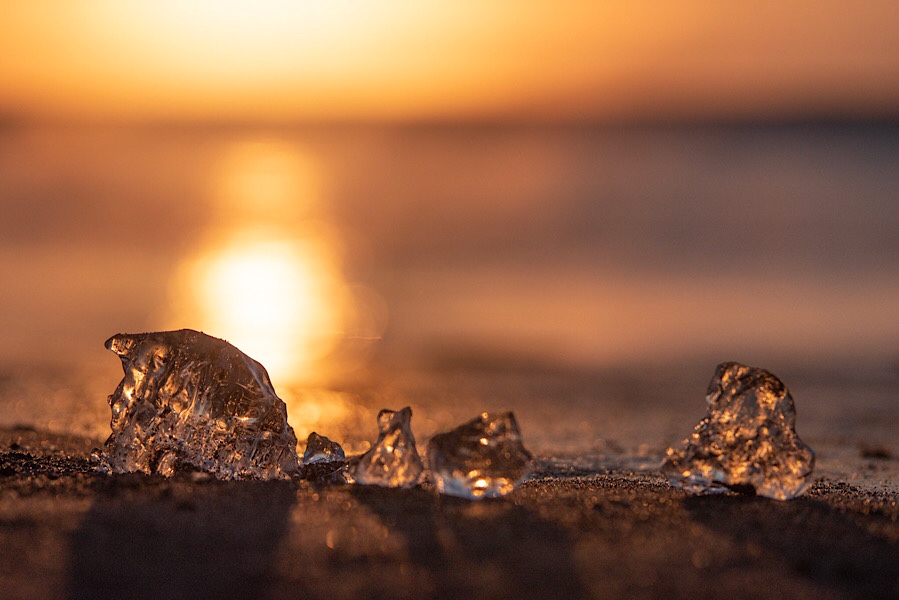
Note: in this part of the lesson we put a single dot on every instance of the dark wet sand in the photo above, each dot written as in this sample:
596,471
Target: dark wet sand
67,532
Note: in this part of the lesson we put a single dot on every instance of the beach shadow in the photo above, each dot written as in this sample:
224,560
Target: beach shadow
485,549
809,537
146,537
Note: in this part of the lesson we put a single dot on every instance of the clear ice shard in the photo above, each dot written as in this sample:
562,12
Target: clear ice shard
320,449
393,461
483,458
193,401
747,442
323,460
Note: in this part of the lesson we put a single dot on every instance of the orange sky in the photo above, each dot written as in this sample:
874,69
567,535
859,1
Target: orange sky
251,60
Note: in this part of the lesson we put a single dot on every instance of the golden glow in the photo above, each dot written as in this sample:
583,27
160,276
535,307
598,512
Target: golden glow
353,59
267,278
265,182
275,299
309,410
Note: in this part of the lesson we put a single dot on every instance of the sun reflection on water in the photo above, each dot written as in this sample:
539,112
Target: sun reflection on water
266,182
276,299
267,275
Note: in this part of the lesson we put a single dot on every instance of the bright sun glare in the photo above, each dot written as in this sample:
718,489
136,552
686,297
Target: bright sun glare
267,280
273,299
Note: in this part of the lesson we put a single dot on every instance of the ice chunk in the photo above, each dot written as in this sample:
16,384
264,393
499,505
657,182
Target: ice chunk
188,399
393,461
320,449
747,442
483,458
323,460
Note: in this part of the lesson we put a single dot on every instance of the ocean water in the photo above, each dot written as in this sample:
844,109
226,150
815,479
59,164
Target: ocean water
589,278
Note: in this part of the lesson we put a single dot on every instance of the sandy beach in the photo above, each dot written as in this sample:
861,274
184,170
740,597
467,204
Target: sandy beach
590,523
70,533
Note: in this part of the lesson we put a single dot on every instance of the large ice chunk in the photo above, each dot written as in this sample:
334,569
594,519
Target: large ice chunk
393,461
747,442
188,399
483,458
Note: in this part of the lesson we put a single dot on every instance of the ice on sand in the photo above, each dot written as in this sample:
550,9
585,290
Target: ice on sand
747,442
188,399
323,460
483,458
393,461
320,449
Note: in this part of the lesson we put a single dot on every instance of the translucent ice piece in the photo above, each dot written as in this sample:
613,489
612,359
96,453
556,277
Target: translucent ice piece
323,460
194,400
320,449
393,461
747,442
483,458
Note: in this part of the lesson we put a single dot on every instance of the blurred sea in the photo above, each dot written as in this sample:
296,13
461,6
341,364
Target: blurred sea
587,277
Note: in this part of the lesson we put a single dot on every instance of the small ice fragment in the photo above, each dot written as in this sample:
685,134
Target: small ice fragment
393,461
320,449
748,440
191,400
323,460
483,458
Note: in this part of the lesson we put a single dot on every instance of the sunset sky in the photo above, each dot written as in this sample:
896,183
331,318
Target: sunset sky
353,60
